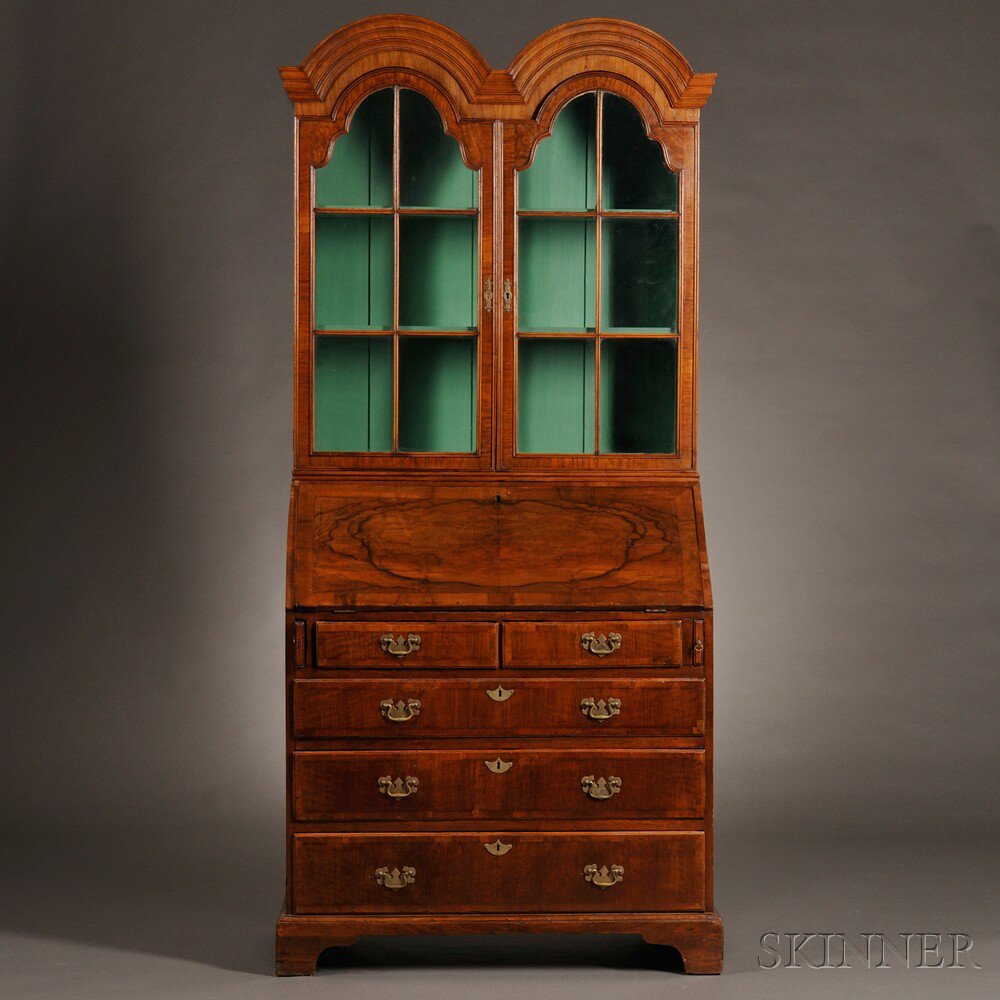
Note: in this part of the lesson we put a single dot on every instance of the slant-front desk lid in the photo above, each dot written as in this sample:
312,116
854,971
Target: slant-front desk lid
393,544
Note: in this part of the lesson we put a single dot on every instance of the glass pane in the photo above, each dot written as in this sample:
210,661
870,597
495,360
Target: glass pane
437,273
639,396
437,393
555,396
639,280
353,272
431,171
636,175
563,175
556,274
352,393
359,173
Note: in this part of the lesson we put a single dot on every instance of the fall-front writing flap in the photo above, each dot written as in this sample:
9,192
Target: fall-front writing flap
496,545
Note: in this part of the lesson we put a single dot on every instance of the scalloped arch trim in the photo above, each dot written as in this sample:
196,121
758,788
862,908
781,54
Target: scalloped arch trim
447,59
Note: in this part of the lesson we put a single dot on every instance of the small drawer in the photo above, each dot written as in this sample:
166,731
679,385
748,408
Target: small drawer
597,783
417,706
497,872
528,645
394,645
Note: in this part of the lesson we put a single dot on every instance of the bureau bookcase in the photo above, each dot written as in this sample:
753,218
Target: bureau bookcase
499,624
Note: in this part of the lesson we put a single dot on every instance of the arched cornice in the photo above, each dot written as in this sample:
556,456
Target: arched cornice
381,43
441,56
609,45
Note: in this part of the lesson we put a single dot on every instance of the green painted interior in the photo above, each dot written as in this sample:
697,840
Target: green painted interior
431,171
352,393
359,173
437,394
635,176
555,401
563,174
437,272
556,274
353,272
638,396
639,280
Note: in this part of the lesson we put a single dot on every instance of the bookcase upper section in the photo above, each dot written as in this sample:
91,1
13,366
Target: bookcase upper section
496,269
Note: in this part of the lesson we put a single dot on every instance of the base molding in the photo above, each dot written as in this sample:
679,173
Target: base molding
696,936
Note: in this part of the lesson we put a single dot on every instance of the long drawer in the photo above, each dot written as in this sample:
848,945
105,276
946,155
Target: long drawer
599,783
606,643
493,871
394,645
415,706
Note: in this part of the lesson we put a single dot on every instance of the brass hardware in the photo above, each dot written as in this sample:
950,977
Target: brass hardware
603,878
602,645
400,788
600,710
395,879
498,848
500,693
699,646
599,788
488,296
399,711
400,646
508,296
499,766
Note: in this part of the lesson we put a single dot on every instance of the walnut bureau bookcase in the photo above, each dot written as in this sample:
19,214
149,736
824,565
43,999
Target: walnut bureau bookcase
499,625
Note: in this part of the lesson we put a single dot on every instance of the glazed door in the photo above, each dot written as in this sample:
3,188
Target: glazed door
394,362
598,352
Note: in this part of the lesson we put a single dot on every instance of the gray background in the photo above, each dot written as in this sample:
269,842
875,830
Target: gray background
848,451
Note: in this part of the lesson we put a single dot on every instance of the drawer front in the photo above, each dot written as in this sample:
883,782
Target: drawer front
596,644
415,706
394,645
535,872
594,783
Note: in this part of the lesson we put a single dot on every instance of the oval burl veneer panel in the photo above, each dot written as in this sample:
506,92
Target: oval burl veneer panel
431,541
411,545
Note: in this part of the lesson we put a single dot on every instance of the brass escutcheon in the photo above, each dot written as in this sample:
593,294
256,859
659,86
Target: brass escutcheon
603,878
400,788
600,645
600,710
508,295
488,296
499,766
395,879
500,693
401,645
599,788
498,848
399,711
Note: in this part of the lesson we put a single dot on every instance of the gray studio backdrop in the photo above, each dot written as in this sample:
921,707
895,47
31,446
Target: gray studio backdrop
848,445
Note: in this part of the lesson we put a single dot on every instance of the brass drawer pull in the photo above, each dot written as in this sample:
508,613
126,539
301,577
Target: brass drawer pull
401,788
401,645
498,848
399,711
600,710
395,879
499,766
600,645
599,788
603,878
500,693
